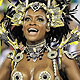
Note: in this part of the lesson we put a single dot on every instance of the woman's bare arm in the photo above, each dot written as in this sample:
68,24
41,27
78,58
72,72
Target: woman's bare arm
71,68
5,70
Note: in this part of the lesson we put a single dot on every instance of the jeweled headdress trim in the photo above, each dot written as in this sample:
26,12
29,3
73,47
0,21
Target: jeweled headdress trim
53,12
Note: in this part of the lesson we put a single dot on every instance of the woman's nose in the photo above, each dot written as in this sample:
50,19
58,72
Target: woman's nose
32,23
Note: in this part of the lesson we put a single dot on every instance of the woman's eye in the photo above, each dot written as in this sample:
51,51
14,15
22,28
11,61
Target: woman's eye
27,19
40,19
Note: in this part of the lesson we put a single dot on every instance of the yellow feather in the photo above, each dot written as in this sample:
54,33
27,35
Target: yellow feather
75,43
1,2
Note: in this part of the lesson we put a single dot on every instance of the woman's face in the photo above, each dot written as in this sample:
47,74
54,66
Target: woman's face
34,26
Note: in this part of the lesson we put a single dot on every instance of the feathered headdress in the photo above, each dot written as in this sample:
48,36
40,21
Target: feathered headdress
53,11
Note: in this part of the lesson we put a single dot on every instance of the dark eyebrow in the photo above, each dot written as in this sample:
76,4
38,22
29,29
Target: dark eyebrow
39,16
31,16
28,15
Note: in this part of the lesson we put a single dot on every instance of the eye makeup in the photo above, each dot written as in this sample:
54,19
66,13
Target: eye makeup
40,19
28,19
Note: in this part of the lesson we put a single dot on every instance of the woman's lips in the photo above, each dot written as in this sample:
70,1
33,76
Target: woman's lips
32,31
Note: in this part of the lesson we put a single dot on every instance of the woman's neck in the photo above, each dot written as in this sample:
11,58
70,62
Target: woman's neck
35,42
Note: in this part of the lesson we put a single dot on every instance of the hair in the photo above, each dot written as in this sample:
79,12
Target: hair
17,32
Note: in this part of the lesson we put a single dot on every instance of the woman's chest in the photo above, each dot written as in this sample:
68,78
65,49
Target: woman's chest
30,70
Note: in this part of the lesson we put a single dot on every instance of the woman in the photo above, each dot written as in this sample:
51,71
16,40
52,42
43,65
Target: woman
39,58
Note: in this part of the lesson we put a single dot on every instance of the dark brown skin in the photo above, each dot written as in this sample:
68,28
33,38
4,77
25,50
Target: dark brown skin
71,68
31,69
5,70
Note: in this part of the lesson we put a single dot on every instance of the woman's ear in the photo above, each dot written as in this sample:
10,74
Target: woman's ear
47,28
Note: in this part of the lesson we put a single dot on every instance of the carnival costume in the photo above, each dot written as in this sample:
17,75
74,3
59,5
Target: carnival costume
58,16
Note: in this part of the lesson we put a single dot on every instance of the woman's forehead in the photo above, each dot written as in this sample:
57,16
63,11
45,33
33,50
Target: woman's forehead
38,12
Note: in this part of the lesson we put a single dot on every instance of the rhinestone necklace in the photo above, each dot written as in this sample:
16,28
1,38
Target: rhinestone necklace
35,51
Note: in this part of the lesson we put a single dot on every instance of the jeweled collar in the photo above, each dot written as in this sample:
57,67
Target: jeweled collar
35,51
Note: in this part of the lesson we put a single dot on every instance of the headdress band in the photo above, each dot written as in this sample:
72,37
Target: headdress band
53,12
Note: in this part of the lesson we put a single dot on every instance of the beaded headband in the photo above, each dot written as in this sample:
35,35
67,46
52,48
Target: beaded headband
53,12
